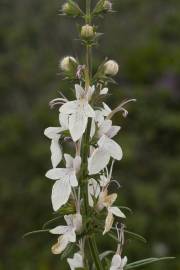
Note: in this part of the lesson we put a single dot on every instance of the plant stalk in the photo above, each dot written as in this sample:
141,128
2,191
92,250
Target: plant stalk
85,148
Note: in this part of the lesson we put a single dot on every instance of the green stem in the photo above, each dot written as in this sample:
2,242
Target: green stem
85,149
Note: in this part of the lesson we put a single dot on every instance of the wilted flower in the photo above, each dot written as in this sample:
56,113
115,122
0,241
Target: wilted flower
111,68
107,5
112,211
66,63
68,233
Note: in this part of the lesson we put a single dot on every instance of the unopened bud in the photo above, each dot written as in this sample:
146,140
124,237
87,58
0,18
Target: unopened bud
107,6
67,63
87,32
111,68
72,9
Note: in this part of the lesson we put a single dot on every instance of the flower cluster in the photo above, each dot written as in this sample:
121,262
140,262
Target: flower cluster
77,118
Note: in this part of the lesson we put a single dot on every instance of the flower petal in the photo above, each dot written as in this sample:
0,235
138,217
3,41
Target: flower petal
52,132
76,261
77,125
88,110
59,230
60,193
77,164
113,131
116,211
98,161
56,153
108,222
69,107
69,160
56,173
111,147
60,246
116,261
79,91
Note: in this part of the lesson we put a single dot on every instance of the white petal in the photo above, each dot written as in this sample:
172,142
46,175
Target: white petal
106,110
93,128
52,132
116,211
104,127
56,173
59,230
104,91
77,125
93,191
71,236
113,131
79,91
76,261
116,261
60,193
69,107
124,261
99,117
88,110
56,153
90,92
69,160
64,120
98,161
111,147
77,222
73,179
77,164
60,246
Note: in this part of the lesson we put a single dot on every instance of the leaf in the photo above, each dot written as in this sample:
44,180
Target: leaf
137,236
34,232
50,221
126,208
67,251
145,261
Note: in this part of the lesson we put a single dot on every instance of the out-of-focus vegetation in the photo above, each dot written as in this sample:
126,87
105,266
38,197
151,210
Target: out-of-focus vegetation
144,37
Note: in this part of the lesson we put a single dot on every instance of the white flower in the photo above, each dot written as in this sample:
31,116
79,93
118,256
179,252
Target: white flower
101,155
118,263
112,211
56,153
66,179
106,128
65,63
93,191
111,68
78,110
74,224
76,261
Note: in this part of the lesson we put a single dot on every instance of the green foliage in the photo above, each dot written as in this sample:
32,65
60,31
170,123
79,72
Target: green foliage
144,38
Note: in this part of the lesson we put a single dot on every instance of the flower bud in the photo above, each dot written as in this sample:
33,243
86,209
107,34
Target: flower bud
111,68
107,6
87,32
66,64
71,9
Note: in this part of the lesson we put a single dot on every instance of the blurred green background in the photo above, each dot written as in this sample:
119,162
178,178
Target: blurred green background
144,37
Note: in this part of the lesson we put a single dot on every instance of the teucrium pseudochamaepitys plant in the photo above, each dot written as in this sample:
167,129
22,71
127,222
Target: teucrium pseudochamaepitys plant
81,191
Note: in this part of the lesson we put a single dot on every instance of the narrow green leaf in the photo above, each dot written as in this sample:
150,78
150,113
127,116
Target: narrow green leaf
145,262
137,236
50,221
34,232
